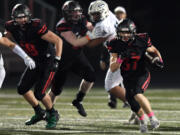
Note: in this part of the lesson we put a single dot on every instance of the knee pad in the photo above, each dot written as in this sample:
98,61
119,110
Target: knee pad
21,90
113,79
133,103
38,94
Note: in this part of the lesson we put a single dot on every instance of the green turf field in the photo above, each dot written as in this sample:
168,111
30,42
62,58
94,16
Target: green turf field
14,111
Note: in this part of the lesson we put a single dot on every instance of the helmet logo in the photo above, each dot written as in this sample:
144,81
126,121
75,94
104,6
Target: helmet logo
101,6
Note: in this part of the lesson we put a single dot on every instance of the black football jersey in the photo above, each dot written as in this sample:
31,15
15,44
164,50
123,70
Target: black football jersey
30,39
133,53
79,29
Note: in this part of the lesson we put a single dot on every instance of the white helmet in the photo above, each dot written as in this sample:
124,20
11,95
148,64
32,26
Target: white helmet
98,6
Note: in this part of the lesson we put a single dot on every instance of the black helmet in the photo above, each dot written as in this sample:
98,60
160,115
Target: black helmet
19,11
69,10
126,26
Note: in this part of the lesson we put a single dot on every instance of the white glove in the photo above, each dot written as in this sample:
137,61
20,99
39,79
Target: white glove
29,62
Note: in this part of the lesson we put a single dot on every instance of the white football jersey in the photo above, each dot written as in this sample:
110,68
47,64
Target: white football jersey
105,28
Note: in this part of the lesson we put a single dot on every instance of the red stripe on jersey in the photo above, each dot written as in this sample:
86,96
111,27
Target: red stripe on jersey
44,30
149,42
48,82
145,85
44,27
63,28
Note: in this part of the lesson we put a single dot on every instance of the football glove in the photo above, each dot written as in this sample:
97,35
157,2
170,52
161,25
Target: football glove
30,63
55,63
159,63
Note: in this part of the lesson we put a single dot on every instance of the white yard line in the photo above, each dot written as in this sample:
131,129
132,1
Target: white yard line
2,108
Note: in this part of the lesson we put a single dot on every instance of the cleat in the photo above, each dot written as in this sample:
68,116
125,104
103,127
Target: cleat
136,121
112,104
132,117
154,123
126,105
36,118
143,128
79,107
52,119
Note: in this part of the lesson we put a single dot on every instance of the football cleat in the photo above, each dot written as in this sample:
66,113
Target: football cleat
79,107
36,118
143,128
154,122
52,119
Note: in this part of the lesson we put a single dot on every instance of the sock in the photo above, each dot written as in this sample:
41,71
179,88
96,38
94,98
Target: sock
151,114
38,109
51,110
80,96
141,118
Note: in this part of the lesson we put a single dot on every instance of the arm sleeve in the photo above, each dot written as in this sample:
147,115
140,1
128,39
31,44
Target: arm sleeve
63,27
41,28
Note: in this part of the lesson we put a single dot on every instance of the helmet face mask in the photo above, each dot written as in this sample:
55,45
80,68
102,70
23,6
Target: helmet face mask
98,10
72,11
126,30
21,15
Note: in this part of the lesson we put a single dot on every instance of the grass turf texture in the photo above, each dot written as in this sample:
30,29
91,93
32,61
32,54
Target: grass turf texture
14,111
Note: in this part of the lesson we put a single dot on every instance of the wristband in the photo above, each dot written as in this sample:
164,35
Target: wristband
161,60
119,60
87,37
57,57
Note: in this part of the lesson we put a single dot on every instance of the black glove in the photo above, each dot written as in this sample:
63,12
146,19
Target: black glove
55,64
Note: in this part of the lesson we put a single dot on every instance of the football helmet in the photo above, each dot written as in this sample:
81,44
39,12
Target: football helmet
72,11
126,30
21,11
98,10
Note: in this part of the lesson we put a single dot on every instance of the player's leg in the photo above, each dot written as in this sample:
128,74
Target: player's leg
112,82
135,107
2,71
41,86
57,84
83,68
26,82
144,102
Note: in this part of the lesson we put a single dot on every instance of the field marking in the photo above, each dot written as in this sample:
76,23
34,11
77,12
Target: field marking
91,131
87,119
89,110
2,95
84,103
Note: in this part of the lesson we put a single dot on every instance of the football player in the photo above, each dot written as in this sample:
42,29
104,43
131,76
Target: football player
120,13
72,29
16,49
105,28
128,53
34,38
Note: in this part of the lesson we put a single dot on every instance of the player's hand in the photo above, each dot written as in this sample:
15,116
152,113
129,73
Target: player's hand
158,62
55,64
30,63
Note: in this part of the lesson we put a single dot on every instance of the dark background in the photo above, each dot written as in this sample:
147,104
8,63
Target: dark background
160,19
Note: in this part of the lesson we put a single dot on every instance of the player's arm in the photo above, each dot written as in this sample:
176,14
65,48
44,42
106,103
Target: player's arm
6,41
70,37
154,50
156,57
56,40
96,42
89,26
115,62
